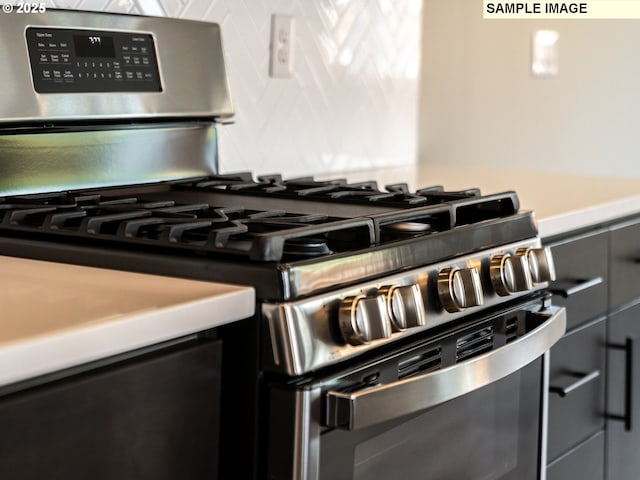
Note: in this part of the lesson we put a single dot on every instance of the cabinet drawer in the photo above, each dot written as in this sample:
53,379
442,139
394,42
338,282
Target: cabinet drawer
625,264
586,462
576,380
581,270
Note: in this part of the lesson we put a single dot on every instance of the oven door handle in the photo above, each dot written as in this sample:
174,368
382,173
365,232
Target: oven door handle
380,403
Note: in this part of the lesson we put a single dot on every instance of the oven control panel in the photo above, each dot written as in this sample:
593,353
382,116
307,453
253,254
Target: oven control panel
83,61
311,333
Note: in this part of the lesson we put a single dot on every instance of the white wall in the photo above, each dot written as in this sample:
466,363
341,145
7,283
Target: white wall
353,101
481,106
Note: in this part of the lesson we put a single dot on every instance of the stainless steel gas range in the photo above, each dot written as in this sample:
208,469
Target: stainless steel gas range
400,332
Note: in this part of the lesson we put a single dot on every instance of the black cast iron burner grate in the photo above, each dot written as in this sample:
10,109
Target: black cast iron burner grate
258,235
396,195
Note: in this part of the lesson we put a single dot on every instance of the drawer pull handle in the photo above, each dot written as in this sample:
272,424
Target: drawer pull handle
583,379
628,347
568,287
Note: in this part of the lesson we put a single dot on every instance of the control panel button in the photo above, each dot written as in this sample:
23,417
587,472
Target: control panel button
405,306
541,263
363,319
459,288
510,273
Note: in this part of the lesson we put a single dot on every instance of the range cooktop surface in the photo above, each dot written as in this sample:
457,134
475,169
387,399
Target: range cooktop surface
274,232
265,220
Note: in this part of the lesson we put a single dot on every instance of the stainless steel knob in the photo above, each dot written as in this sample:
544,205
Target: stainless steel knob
459,288
541,264
404,306
363,319
510,273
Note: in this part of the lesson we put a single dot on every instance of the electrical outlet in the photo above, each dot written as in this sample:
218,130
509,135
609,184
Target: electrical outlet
544,53
282,38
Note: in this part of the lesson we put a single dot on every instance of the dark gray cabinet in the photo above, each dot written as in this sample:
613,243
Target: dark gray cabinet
623,373
155,416
595,433
623,361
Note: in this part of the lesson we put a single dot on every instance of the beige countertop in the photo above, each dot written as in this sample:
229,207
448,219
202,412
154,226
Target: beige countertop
56,316
562,202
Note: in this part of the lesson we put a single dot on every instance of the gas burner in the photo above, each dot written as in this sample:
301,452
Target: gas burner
411,227
306,247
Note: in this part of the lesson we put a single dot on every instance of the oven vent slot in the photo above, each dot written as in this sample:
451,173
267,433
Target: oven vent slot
511,329
368,380
475,343
420,363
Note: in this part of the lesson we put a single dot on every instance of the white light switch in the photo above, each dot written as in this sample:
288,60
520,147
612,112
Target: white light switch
544,53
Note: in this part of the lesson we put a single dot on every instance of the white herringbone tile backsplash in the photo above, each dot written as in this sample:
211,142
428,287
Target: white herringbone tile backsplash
352,102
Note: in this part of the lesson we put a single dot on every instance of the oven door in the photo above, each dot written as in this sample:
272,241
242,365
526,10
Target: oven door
480,418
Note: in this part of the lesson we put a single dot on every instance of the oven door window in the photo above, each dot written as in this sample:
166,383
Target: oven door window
489,434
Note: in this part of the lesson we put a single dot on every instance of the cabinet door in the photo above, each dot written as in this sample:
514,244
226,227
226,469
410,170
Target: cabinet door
577,395
585,462
623,447
152,418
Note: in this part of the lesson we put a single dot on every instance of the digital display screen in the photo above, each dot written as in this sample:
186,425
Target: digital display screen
94,46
